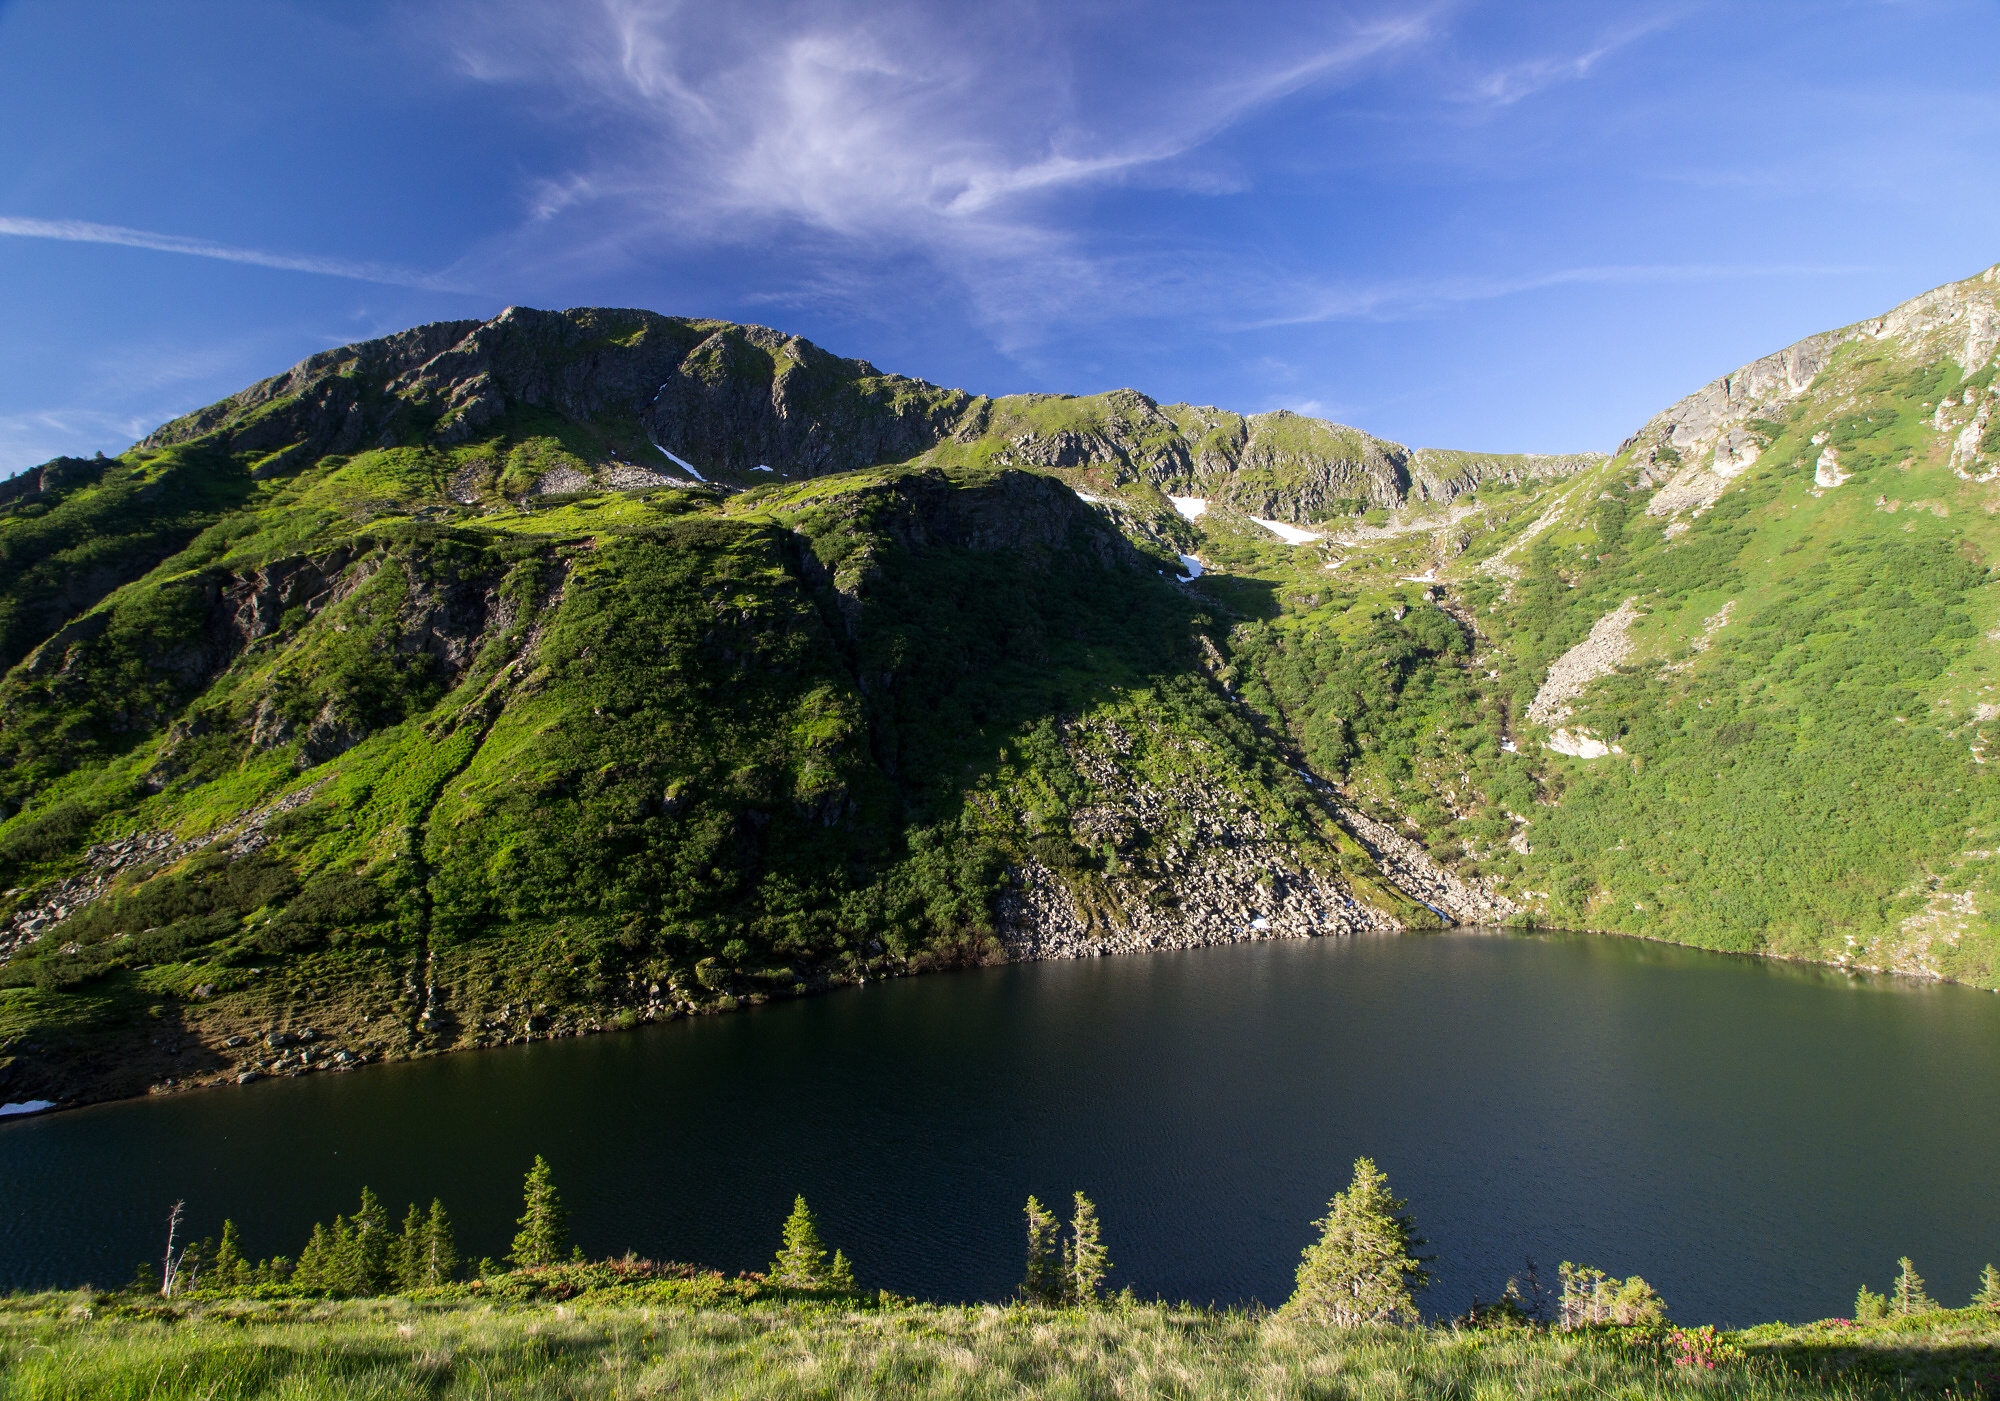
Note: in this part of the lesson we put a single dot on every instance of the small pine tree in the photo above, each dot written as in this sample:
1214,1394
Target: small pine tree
1988,1296
1907,1296
440,1262
544,1235
1084,1257
343,1271
315,1264
1636,1301
1869,1307
840,1275
801,1262
1364,1267
1586,1296
1045,1283
230,1270
372,1269
406,1260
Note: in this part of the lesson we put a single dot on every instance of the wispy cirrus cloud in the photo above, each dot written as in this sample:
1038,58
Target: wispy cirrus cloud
80,231
1417,296
863,137
1511,83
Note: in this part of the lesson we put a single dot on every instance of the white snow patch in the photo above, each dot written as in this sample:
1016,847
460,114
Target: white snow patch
1190,506
758,468
683,462
1192,566
1290,534
1093,500
1260,923
29,1106
1581,744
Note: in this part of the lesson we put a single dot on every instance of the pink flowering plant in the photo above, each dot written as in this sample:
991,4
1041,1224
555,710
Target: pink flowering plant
1701,1347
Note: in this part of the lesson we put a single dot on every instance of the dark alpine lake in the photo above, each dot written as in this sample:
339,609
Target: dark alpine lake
1753,1138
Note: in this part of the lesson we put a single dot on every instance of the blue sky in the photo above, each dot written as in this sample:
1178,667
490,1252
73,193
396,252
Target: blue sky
1495,224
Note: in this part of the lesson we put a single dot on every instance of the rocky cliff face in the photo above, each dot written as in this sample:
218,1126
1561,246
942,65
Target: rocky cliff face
1278,465
1692,449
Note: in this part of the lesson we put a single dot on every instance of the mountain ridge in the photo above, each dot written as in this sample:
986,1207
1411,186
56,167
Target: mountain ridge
570,670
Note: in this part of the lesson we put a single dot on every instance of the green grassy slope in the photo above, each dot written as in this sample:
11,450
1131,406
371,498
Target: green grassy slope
693,1338
392,746
417,697
1801,720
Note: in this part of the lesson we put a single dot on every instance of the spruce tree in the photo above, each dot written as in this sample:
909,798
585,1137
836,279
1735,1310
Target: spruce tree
840,1275
343,1270
1084,1257
440,1264
544,1235
371,1268
230,1270
1988,1296
801,1262
1908,1294
314,1267
1869,1306
1045,1283
408,1256
1364,1267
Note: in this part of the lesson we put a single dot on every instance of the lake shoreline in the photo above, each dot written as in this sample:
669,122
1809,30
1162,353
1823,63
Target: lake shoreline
50,1098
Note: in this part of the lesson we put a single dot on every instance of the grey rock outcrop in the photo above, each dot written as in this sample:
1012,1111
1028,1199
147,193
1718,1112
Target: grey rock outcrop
1692,449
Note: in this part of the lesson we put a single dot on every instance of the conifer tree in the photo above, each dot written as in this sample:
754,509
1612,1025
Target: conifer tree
1908,1296
314,1265
1084,1258
440,1263
801,1262
1869,1306
342,1271
840,1275
370,1270
544,1234
1988,1296
1045,1283
1364,1267
230,1270
408,1256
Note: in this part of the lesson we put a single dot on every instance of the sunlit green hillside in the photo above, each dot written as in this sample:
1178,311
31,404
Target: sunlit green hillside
561,671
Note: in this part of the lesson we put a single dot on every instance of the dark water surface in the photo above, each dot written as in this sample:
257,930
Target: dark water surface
1755,1139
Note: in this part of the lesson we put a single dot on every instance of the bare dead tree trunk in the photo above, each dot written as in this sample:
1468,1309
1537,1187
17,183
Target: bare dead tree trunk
168,1267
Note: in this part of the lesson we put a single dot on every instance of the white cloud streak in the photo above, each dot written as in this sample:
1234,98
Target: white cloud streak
1508,85
1385,300
79,231
858,138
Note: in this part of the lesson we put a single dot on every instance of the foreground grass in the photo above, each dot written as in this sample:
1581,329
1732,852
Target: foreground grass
87,1345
